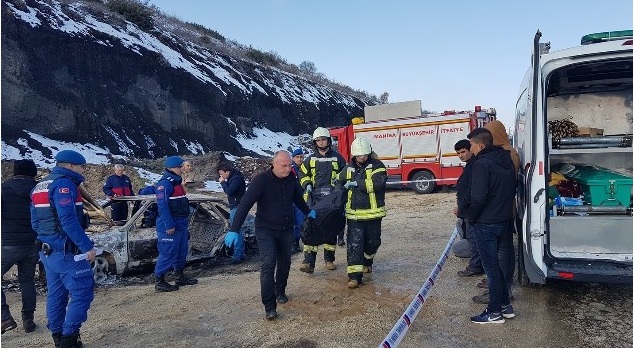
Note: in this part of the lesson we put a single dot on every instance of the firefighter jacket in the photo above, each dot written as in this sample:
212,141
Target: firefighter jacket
321,171
118,186
366,201
171,199
57,211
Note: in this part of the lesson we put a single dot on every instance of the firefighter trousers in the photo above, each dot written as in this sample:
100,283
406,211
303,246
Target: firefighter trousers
364,239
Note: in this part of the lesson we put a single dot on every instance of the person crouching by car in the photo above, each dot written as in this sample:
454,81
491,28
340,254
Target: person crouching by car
172,227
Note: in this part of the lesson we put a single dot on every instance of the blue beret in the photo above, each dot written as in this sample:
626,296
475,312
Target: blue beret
70,156
297,152
173,162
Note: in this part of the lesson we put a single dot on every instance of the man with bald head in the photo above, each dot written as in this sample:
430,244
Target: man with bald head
275,192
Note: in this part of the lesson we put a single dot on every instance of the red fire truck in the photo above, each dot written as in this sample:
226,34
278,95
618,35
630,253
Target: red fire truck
417,149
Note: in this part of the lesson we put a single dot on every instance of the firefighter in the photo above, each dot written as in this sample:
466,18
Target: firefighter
365,177
317,175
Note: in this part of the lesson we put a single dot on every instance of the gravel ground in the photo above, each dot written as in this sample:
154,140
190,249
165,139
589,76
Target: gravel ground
224,309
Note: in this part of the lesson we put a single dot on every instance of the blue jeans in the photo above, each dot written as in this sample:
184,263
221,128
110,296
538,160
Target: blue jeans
238,247
67,279
475,264
506,256
25,257
489,237
275,254
299,221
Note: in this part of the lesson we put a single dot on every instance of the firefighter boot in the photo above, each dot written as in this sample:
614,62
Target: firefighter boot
182,279
162,286
71,341
353,283
308,265
329,257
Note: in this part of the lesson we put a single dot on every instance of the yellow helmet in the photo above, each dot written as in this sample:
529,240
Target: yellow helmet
321,132
360,147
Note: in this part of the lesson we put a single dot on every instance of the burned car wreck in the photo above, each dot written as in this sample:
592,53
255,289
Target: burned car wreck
131,246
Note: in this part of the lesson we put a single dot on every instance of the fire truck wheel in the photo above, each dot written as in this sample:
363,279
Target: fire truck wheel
423,186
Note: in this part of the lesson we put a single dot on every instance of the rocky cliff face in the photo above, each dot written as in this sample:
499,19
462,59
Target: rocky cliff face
74,71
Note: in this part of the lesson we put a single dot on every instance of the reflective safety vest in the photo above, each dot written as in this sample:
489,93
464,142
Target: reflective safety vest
321,171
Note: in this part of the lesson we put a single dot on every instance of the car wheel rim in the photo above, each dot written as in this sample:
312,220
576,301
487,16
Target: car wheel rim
100,269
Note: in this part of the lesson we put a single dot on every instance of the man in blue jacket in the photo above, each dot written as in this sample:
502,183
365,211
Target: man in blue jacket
232,182
118,185
171,227
275,192
58,218
490,211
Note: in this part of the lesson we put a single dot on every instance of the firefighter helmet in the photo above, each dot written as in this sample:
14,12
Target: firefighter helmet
360,147
320,132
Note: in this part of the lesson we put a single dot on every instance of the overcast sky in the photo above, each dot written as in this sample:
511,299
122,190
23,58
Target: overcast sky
449,54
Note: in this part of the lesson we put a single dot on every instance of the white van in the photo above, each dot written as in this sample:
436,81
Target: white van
573,133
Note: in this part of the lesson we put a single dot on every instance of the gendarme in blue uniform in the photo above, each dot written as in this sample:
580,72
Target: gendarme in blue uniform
56,213
173,208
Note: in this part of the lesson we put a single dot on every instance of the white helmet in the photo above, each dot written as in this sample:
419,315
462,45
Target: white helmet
320,132
360,147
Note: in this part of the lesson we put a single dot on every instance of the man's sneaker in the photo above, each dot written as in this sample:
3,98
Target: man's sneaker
271,315
507,311
282,298
468,273
331,266
307,268
483,284
488,318
484,298
367,269
8,324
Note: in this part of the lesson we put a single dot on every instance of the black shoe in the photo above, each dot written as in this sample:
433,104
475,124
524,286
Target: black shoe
57,339
71,341
271,315
28,325
182,279
282,298
469,273
8,324
163,286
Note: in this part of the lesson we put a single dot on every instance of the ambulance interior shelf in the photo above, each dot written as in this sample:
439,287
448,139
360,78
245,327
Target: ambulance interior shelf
588,190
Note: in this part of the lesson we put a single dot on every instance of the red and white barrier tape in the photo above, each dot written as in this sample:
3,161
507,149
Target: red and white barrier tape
413,181
397,333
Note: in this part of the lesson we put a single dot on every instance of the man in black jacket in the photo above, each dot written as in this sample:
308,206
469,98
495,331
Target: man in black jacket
232,182
275,192
490,210
18,240
463,194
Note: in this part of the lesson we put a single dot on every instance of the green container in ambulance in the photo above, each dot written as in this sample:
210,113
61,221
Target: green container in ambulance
602,186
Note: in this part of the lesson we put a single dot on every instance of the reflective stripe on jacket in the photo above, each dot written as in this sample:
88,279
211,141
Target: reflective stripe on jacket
366,201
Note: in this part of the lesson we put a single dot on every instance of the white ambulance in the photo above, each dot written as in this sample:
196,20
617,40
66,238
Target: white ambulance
573,133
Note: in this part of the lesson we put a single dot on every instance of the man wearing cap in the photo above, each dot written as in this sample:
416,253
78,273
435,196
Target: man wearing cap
58,218
171,227
298,158
18,239
118,185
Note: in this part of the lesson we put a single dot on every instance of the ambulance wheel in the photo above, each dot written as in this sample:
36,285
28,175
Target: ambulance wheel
424,186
